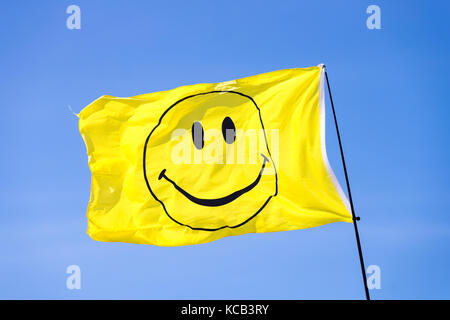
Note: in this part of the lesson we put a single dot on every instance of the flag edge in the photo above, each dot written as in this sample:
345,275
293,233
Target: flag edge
326,162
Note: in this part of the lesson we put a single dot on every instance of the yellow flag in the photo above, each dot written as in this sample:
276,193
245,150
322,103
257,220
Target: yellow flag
206,161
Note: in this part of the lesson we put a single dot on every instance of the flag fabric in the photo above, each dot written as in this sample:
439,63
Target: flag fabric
206,161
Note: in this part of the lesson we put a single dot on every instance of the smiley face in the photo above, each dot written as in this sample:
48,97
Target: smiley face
207,161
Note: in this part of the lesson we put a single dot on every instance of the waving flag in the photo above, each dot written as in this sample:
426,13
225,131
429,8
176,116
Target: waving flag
206,161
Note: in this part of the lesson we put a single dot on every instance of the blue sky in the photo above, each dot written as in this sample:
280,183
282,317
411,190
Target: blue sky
390,88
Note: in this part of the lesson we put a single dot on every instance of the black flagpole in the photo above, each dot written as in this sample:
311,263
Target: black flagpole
355,218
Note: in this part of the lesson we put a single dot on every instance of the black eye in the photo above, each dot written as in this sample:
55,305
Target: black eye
197,135
228,130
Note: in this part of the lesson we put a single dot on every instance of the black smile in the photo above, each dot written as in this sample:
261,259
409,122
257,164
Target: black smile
219,201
